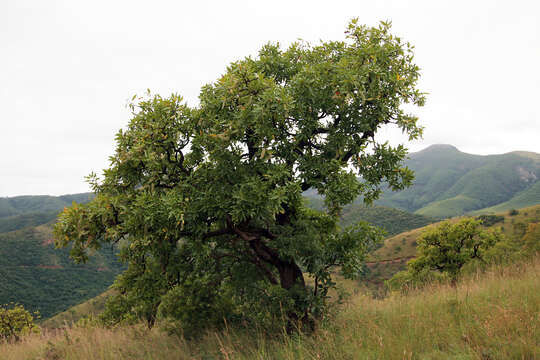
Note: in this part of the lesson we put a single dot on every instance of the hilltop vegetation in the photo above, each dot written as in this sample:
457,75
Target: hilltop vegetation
450,183
209,198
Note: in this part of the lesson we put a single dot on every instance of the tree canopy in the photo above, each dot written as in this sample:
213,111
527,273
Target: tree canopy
206,201
15,321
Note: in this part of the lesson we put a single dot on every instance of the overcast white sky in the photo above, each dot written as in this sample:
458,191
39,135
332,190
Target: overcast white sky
68,69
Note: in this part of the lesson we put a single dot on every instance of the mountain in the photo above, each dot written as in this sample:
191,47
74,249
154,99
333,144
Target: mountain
449,182
18,205
16,222
40,277
393,221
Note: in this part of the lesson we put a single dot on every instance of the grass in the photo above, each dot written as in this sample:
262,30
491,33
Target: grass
90,307
493,315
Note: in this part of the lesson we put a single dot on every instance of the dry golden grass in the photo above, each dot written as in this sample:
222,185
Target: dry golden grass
493,315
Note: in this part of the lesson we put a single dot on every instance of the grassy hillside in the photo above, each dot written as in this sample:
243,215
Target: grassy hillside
43,278
450,183
527,197
494,315
89,308
18,205
397,250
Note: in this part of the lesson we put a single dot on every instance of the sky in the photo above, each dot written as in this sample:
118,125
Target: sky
68,70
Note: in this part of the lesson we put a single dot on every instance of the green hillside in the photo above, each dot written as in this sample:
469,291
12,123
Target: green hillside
393,255
451,183
16,222
11,206
43,278
527,197
90,308
393,221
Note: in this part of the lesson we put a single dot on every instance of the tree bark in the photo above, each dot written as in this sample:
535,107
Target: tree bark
290,275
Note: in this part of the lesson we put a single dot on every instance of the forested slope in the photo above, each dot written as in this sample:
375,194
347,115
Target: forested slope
40,277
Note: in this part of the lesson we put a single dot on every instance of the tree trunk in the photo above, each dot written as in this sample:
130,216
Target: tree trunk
290,275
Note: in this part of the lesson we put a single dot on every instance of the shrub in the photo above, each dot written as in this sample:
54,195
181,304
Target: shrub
489,220
16,322
444,250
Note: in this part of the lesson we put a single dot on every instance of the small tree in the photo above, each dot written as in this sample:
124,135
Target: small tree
531,239
208,200
447,247
16,322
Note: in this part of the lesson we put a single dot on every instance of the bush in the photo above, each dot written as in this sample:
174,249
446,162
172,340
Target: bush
489,220
513,212
16,322
444,250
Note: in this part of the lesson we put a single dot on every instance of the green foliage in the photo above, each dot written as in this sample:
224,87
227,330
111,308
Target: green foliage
208,200
513,212
386,262
531,239
445,249
15,322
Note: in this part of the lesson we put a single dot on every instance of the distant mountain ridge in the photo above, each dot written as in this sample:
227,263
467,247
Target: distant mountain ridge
18,205
449,182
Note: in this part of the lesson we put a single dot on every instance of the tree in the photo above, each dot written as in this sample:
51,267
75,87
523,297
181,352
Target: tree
447,247
531,239
208,199
15,322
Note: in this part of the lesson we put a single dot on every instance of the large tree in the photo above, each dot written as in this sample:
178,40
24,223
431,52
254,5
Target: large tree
207,200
